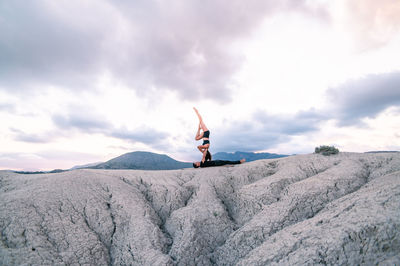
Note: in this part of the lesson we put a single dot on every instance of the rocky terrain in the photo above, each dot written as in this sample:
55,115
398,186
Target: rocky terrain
304,209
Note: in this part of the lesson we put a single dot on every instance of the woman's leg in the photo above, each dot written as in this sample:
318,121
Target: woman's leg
202,148
199,135
203,126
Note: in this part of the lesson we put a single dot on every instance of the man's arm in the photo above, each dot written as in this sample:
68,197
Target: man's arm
204,156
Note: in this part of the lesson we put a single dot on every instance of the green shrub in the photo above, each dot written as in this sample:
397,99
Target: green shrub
326,150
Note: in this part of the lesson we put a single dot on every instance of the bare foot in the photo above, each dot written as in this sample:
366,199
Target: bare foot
243,160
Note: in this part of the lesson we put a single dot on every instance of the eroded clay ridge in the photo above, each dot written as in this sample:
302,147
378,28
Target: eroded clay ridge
305,209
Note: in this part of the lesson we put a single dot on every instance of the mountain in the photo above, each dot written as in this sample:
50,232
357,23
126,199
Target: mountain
40,172
142,160
299,210
85,165
249,156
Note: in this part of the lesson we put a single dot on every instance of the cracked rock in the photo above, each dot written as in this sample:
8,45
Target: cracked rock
304,209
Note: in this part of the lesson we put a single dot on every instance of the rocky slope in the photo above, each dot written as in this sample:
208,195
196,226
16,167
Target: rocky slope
305,209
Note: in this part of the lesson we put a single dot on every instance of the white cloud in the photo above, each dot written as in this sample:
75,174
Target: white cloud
372,23
104,78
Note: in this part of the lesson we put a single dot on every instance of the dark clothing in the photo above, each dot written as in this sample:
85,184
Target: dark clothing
206,134
206,141
217,163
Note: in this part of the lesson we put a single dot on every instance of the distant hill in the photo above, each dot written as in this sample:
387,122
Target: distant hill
85,165
249,156
141,160
40,172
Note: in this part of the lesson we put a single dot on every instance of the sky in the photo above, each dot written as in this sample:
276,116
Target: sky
86,81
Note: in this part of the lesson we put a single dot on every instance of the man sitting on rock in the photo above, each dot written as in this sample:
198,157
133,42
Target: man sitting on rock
216,163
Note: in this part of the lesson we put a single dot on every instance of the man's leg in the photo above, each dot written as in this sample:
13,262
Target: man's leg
223,162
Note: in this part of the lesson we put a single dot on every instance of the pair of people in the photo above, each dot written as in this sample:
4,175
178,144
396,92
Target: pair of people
206,160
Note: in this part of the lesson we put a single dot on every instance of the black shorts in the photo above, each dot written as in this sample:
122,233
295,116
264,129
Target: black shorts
206,141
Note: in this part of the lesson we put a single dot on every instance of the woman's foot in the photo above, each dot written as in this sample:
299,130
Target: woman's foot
243,160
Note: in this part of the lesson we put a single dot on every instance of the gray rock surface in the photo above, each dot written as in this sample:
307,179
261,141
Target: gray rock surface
304,209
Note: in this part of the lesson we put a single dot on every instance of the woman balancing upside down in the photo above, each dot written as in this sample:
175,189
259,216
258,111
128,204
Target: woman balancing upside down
205,135
207,161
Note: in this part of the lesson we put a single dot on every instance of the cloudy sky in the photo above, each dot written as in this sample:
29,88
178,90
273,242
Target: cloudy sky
86,81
